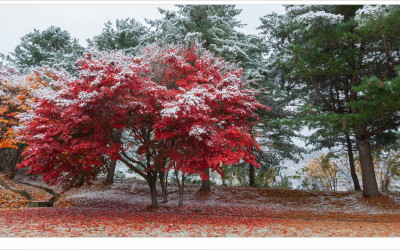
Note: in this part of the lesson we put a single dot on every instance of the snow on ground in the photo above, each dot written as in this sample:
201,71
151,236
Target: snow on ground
134,196
122,209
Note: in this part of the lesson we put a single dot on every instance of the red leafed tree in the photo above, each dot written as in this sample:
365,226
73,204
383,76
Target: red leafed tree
209,118
76,127
172,107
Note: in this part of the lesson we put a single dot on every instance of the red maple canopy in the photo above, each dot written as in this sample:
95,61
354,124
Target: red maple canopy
173,106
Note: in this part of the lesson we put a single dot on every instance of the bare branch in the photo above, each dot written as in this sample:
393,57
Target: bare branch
134,168
384,128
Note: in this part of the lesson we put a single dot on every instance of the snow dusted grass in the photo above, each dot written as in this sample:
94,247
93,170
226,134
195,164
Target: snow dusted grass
130,194
122,209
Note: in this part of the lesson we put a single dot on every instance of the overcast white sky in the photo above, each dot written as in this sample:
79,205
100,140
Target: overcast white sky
86,21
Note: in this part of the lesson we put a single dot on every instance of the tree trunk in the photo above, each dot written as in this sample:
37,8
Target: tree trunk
152,181
181,186
150,177
352,165
111,172
161,176
385,181
12,165
205,184
251,174
370,186
12,171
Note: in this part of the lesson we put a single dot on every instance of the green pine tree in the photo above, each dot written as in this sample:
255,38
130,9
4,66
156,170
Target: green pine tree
52,47
128,35
343,60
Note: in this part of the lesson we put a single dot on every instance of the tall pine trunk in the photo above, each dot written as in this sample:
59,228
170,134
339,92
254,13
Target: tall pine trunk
152,181
206,184
370,186
352,165
251,175
111,172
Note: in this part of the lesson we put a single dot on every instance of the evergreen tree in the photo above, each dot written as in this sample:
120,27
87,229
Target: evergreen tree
275,129
128,35
343,59
217,27
52,47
